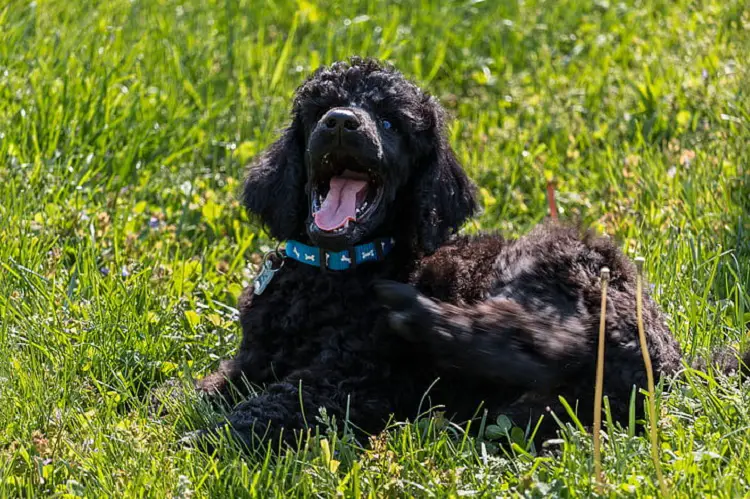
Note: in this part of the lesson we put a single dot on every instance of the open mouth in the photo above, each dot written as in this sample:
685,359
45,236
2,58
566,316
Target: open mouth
350,196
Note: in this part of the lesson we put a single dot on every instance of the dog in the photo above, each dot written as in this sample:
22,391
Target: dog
377,302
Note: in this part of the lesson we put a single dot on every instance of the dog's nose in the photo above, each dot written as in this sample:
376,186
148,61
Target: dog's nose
341,118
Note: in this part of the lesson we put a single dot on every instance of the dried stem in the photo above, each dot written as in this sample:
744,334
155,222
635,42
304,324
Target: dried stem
599,389
650,379
551,200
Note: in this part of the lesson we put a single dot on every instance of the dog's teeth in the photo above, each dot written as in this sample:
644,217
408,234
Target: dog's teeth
361,208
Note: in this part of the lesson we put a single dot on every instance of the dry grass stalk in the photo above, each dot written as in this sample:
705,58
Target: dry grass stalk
598,391
650,379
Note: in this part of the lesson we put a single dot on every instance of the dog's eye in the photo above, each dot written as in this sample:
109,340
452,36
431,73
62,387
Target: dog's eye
386,124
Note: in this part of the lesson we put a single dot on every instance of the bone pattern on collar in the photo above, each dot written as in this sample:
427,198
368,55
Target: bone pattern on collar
340,260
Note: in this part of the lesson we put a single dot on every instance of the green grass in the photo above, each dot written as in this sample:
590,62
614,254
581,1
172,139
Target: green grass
124,129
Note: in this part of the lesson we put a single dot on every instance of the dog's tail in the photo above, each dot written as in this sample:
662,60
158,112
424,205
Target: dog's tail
725,359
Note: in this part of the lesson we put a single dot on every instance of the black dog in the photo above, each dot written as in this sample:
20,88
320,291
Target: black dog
364,181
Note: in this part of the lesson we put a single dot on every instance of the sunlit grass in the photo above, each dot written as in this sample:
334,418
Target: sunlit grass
124,129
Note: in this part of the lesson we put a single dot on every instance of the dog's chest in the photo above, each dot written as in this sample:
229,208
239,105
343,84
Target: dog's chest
303,313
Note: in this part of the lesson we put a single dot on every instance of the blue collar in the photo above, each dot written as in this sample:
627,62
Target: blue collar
342,260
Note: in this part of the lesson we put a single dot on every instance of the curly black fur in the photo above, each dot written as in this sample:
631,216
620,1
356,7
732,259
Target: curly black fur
508,324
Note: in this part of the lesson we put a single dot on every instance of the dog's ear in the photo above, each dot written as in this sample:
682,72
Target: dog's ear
274,189
445,195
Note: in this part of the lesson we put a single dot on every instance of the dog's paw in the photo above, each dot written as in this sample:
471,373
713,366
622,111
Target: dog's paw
409,312
221,436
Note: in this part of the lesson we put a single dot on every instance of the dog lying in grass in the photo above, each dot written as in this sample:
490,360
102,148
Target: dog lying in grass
375,298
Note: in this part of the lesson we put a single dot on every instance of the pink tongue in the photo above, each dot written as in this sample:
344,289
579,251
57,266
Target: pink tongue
340,205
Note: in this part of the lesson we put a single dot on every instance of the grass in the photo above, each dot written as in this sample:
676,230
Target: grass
124,129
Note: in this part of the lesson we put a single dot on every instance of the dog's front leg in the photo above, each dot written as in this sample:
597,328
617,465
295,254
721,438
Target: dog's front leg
291,406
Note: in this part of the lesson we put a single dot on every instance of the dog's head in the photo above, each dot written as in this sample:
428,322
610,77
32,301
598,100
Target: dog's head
365,156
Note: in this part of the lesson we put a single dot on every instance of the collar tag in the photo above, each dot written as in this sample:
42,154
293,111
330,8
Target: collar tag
266,273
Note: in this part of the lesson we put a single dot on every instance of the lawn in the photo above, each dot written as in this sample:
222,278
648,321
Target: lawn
125,128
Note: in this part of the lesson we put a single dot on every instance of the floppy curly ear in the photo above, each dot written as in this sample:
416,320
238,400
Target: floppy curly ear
446,197
274,189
